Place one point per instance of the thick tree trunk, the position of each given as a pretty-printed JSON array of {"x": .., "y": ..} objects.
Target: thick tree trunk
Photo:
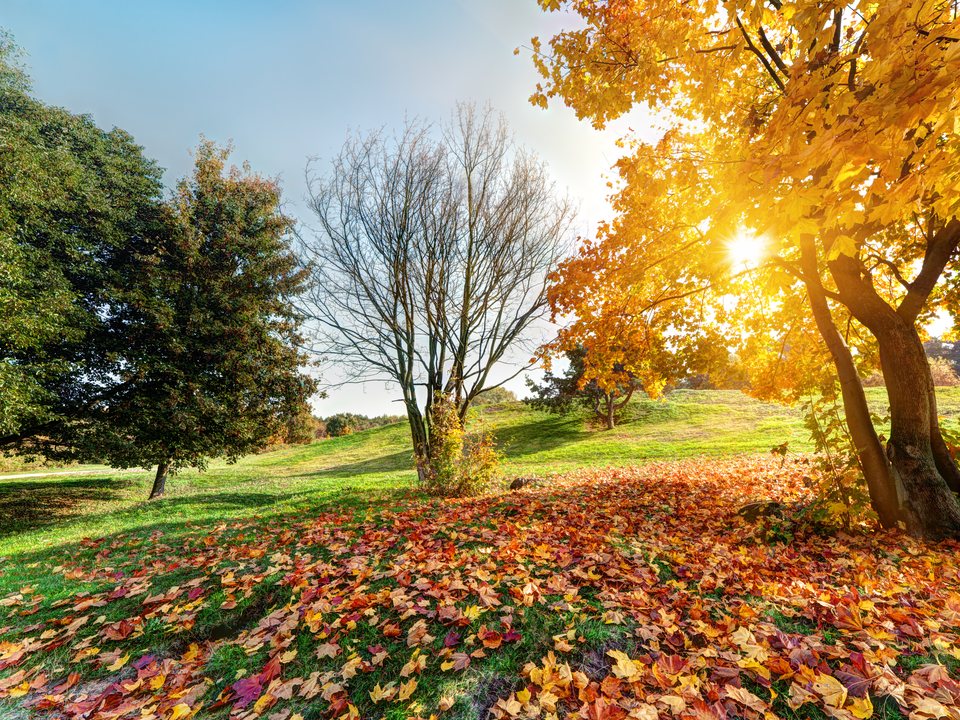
[
  {"x": 930, "y": 507},
  {"x": 610, "y": 409},
  {"x": 876, "y": 468},
  {"x": 160, "y": 481},
  {"x": 927, "y": 505},
  {"x": 946, "y": 465}
]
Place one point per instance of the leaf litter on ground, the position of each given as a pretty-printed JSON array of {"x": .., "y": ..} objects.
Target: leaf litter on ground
[{"x": 630, "y": 592}]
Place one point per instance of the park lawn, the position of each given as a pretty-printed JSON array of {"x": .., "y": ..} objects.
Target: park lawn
[
  {"x": 376, "y": 466},
  {"x": 316, "y": 581}
]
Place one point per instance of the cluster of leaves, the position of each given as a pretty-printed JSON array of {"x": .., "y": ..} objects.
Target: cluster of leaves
[
  {"x": 636, "y": 592},
  {"x": 460, "y": 464}
]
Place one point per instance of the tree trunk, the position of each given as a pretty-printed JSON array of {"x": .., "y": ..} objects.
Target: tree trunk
[
  {"x": 160, "y": 481},
  {"x": 946, "y": 465},
  {"x": 930, "y": 507},
  {"x": 610, "y": 408},
  {"x": 876, "y": 468},
  {"x": 421, "y": 444},
  {"x": 927, "y": 505}
]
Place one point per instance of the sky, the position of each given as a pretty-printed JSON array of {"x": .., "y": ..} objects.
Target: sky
[{"x": 290, "y": 79}]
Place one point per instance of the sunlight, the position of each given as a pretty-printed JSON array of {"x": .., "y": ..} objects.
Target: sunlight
[{"x": 745, "y": 250}]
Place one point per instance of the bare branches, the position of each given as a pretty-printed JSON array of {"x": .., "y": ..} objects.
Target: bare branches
[{"x": 431, "y": 257}]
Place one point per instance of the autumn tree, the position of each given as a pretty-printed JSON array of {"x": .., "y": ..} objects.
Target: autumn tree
[
  {"x": 430, "y": 259},
  {"x": 212, "y": 366},
  {"x": 830, "y": 132}
]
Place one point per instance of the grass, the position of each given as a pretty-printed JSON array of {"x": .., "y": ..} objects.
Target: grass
[
  {"x": 69, "y": 537},
  {"x": 374, "y": 468}
]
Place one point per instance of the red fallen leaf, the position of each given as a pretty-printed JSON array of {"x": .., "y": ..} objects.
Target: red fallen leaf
[
  {"x": 512, "y": 636},
  {"x": 490, "y": 638},
  {"x": 270, "y": 670},
  {"x": 195, "y": 593},
  {"x": 703, "y": 711},
  {"x": 392, "y": 630},
  {"x": 69, "y": 683},
  {"x": 247, "y": 689},
  {"x": 143, "y": 662},
  {"x": 671, "y": 664},
  {"x": 858, "y": 676},
  {"x": 118, "y": 631},
  {"x": 611, "y": 687},
  {"x": 452, "y": 639},
  {"x": 376, "y": 649},
  {"x": 13, "y": 659}
]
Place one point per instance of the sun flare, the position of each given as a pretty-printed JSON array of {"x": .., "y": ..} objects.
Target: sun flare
[{"x": 745, "y": 250}]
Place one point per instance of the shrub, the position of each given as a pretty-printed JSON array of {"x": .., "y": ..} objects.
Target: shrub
[{"x": 460, "y": 464}]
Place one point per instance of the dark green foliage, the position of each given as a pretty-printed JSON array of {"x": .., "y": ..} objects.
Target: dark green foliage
[
  {"x": 212, "y": 367},
  {"x": 77, "y": 204},
  {"x": 137, "y": 332}
]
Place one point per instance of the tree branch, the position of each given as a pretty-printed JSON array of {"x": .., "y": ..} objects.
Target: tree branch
[
  {"x": 774, "y": 55},
  {"x": 753, "y": 48},
  {"x": 939, "y": 249}
]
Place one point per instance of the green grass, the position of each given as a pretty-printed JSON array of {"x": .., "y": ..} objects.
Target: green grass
[
  {"x": 368, "y": 475},
  {"x": 374, "y": 468}
]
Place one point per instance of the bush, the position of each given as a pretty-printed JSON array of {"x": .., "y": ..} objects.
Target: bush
[
  {"x": 461, "y": 464},
  {"x": 494, "y": 396}
]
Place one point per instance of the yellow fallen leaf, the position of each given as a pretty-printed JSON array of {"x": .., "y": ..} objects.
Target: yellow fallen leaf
[
  {"x": 180, "y": 711},
  {"x": 861, "y": 708},
  {"x": 625, "y": 668},
  {"x": 288, "y": 656},
  {"x": 406, "y": 689},
  {"x": 446, "y": 703},
  {"x": 119, "y": 662},
  {"x": 523, "y": 696}
]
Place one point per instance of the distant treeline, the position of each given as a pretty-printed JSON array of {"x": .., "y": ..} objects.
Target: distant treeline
[{"x": 306, "y": 427}]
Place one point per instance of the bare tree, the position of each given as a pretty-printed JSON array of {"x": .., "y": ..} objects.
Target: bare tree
[{"x": 431, "y": 257}]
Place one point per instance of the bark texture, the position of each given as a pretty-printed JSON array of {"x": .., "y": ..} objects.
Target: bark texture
[{"x": 927, "y": 504}]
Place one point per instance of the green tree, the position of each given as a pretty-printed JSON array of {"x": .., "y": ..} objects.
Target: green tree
[
  {"x": 76, "y": 205},
  {"x": 563, "y": 393},
  {"x": 212, "y": 367}
]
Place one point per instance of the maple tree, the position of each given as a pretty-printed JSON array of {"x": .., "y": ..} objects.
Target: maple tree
[
  {"x": 830, "y": 133},
  {"x": 430, "y": 260},
  {"x": 630, "y": 592}
]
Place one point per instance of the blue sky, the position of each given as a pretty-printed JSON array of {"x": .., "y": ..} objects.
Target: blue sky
[{"x": 289, "y": 79}]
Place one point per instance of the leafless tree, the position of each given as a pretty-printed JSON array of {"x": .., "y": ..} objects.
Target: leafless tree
[{"x": 430, "y": 258}]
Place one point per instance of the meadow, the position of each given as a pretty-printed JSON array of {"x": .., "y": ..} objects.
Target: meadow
[{"x": 316, "y": 581}]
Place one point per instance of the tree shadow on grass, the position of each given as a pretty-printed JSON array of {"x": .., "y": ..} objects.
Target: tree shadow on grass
[
  {"x": 38, "y": 503},
  {"x": 399, "y": 462},
  {"x": 550, "y": 433}
]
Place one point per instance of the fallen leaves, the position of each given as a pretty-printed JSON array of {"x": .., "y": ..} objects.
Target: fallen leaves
[{"x": 697, "y": 618}]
